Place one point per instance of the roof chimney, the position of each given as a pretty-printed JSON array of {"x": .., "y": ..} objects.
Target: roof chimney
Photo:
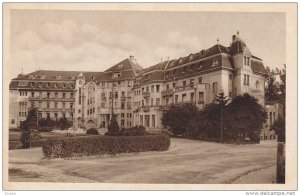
[
  {"x": 233, "y": 38},
  {"x": 131, "y": 56}
]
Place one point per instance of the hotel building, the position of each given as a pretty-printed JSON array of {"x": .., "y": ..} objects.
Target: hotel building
[{"x": 138, "y": 96}]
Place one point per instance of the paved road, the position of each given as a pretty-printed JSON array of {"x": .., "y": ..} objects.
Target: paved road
[{"x": 187, "y": 161}]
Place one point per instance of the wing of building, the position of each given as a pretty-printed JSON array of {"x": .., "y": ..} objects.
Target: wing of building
[{"x": 138, "y": 96}]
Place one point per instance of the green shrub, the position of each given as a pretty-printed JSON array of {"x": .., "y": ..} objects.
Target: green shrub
[
  {"x": 89, "y": 146},
  {"x": 133, "y": 131},
  {"x": 45, "y": 129},
  {"x": 92, "y": 131}
]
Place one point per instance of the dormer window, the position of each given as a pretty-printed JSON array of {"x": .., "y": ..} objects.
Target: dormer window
[
  {"x": 200, "y": 65},
  {"x": 215, "y": 63},
  {"x": 191, "y": 57},
  {"x": 57, "y": 77},
  {"x": 203, "y": 52},
  {"x": 93, "y": 77},
  {"x": 120, "y": 66},
  {"x": 117, "y": 75},
  {"x": 31, "y": 77},
  {"x": 180, "y": 61}
]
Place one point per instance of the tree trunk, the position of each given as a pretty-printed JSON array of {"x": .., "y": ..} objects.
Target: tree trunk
[{"x": 280, "y": 171}]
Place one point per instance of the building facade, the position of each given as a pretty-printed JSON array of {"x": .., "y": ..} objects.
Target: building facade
[{"x": 139, "y": 96}]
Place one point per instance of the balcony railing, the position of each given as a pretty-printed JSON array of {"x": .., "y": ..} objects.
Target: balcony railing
[
  {"x": 56, "y": 109},
  {"x": 167, "y": 93},
  {"x": 51, "y": 99},
  {"x": 146, "y": 109},
  {"x": 146, "y": 95},
  {"x": 186, "y": 87}
]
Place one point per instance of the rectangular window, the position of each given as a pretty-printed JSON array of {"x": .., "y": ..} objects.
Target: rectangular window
[
  {"x": 122, "y": 122},
  {"x": 215, "y": 87},
  {"x": 201, "y": 97},
  {"x": 48, "y": 94},
  {"x": 147, "y": 89},
  {"x": 71, "y": 105},
  {"x": 56, "y": 94},
  {"x": 64, "y": 105},
  {"x": 245, "y": 79},
  {"x": 157, "y": 101},
  {"x": 184, "y": 83},
  {"x": 192, "y": 81},
  {"x": 153, "y": 120},
  {"x": 157, "y": 88},
  {"x": 200, "y": 80},
  {"x": 176, "y": 98},
  {"x": 128, "y": 105},
  {"x": 147, "y": 120},
  {"x": 32, "y": 94},
  {"x": 71, "y": 95},
  {"x": 122, "y": 105},
  {"x": 183, "y": 97},
  {"x": 192, "y": 97},
  {"x": 48, "y": 105},
  {"x": 151, "y": 101},
  {"x": 245, "y": 60},
  {"x": 79, "y": 96},
  {"x": 55, "y": 104},
  {"x": 141, "y": 120},
  {"x": 174, "y": 85},
  {"x": 248, "y": 80},
  {"x": 167, "y": 101},
  {"x": 168, "y": 86}
]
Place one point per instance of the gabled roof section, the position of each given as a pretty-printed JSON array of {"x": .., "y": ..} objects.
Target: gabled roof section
[{"x": 129, "y": 63}]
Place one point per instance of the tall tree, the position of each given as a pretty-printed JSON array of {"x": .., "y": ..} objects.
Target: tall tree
[
  {"x": 27, "y": 127},
  {"x": 246, "y": 117},
  {"x": 271, "y": 86},
  {"x": 222, "y": 100},
  {"x": 113, "y": 127},
  {"x": 177, "y": 117}
]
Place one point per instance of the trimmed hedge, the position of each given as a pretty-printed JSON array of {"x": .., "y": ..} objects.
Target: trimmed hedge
[
  {"x": 97, "y": 145},
  {"x": 92, "y": 131},
  {"x": 45, "y": 129}
]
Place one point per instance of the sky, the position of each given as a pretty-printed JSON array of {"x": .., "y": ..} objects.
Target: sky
[{"x": 96, "y": 40}]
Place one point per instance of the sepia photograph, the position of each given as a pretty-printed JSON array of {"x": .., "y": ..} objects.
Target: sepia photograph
[{"x": 121, "y": 96}]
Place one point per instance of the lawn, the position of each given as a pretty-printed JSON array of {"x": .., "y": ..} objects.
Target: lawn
[{"x": 187, "y": 161}]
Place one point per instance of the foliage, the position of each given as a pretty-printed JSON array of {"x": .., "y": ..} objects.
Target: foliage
[
  {"x": 63, "y": 123},
  {"x": 134, "y": 131},
  {"x": 25, "y": 138},
  {"x": 92, "y": 131},
  {"x": 45, "y": 129},
  {"x": 206, "y": 123},
  {"x": 275, "y": 90},
  {"x": 245, "y": 117},
  {"x": 27, "y": 127},
  {"x": 177, "y": 117},
  {"x": 113, "y": 127},
  {"x": 222, "y": 100},
  {"x": 279, "y": 128},
  {"x": 89, "y": 146},
  {"x": 31, "y": 120}
]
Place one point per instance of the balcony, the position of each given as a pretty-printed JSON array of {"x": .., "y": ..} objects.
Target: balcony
[
  {"x": 146, "y": 109},
  {"x": 146, "y": 95},
  {"x": 51, "y": 99},
  {"x": 167, "y": 93},
  {"x": 163, "y": 108},
  {"x": 186, "y": 87},
  {"x": 56, "y": 110}
]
